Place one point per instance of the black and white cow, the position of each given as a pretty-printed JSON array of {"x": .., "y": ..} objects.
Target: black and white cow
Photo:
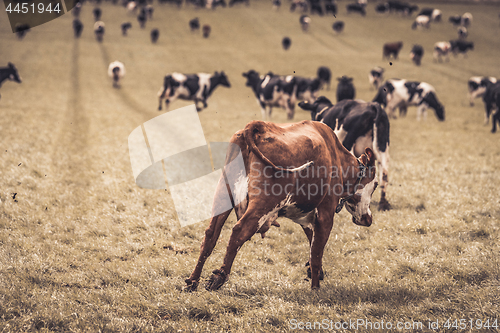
[
  {"x": 99, "y": 29},
  {"x": 272, "y": 91},
  {"x": 466, "y": 19},
  {"x": 441, "y": 49},
  {"x": 396, "y": 93},
  {"x": 77, "y": 28},
  {"x": 345, "y": 88},
  {"x": 491, "y": 100},
  {"x": 142, "y": 18},
  {"x": 461, "y": 46},
  {"x": 325, "y": 76},
  {"x": 456, "y": 20},
  {"x": 9, "y": 73},
  {"x": 421, "y": 21},
  {"x": 193, "y": 87},
  {"x": 304, "y": 22},
  {"x": 307, "y": 89},
  {"x": 155, "y": 34},
  {"x": 376, "y": 77},
  {"x": 302, "y": 4},
  {"x": 355, "y": 8},
  {"x": 358, "y": 125},
  {"x": 338, "y": 26},
  {"x": 416, "y": 54},
  {"x": 116, "y": 71},
  {"x": 477, "y": 87},
  {"x": 462, "y": 33},
  {"x": 401, "y": 7},
  {"x": 434, "y": 14}
]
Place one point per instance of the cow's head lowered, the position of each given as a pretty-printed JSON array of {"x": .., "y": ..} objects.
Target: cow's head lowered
[
  {"x": 357, "y": 201},
  {"x": 13, "y": 74},
  {"x": 317, "y": 108}
]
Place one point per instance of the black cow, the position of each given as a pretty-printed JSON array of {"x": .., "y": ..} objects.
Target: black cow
[
  {"x": 21, "y": 30},
  {"x": 194, "y": 87},
  {"x": 316, "y": 7},
  {"x": 355, "y": 8},
  {"x": 338, "y": 26},
  {"x": 382, "y": 8},
  {"x": 194, "y": 24},
  {"x": 455, "y": 20},
  {"x": 330, "y": 7},
  {"x": 97, "y": 14},
  {"x": 491, "y": 99},
  {"x": 9, "y": 73},
  {"x": 77, "y": 9},
  {"x": 307, "y": 89},
  {"x": 324, "y": 74},
  {"x": 286, "y": 42},
  {"x": 345, "y": 88},
  {"x": 358, "y": 125},
  {"x": 155, "y": 34},
  {"x": 232, "y": 2},
  {"x": 77, "y": 27},
  {"x": 416, "y": 54},
  {"x": 396, "y": 93},
  {"x": 142, "y": 18},
  {"x": 461, "y": 46},
  {"x": 272, "y": 90},
  {"x": 125, "y": 26},
  {"x": 401, "y": 7}
]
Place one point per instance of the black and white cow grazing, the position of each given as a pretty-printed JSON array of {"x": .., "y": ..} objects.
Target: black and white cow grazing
[
  {"x": 206, "y": 31},
  {"x": 125, "y": 26},
  {"x": 466, "y": 19},
  {"x": 455, "y": 20},
  {"x": 391, "y": 49},
  {"x": 421, "y": 21},
  {"x": 345, "y": 88},
  {"x": 376, "y": 77},
  {"x": 194, "y": 24},
  {"x": 193, "y": 87},
  {"x": 155, "y": 34},
  {"x": 416, "y": 54},
  {"x": 434, "y": 14},
  {"x": 358, "y": 125},
  {"x": 97, "y": 14},
  {"x": 304, "y": 22},
  {"x": 338, "y": 26},
  {"x": 356, "y": 8},
  {"x": 99, "y": 29},
  {"x": 491, "y": 100},
  {"x": 477, "y": 87},
  {"x": 21, "y": 30},
  {"x": 77, "y": 28},
  {"x": 272, "y": 91},
  {"x": 286, "y": 42},
  {"x": 116, "y": 71},
  {"x": 441, "y": 49},
  {"x": 461, "y": 46},
  {"x": 330, "y": 7},
  {"x": 462, "y": 33},
  {"x": 324, "y": 75},
  {"x": 9, "y": 73},
  {"x": 396, "y": 93}
]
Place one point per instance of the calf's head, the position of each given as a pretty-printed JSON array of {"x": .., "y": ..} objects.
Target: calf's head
[
  {"x": 13, "y": 74},
  {"x": 320, "y": 104},
  {"x": 358, "y": 204},
  {"x": 433, "y": 103}
]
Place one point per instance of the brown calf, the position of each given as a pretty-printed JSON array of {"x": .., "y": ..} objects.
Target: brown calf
[
  {"x": 300, "y": 171},
  {"x": 392, "y": 49}
]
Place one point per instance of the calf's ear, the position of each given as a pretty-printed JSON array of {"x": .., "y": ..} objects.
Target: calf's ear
[{"x": 370, "y": 157}]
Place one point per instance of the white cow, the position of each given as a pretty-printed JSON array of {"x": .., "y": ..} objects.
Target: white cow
[{"x": 116, "y": 71}]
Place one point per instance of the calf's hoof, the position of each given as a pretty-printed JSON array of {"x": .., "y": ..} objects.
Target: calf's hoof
[
  {"x": 190, "y": 285},
  {"x": 217, "y": 279},
  {"x": 384, "y": 205}
]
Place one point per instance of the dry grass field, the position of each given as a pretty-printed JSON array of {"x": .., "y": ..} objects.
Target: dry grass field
[{"x": 84, "y": 249}]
